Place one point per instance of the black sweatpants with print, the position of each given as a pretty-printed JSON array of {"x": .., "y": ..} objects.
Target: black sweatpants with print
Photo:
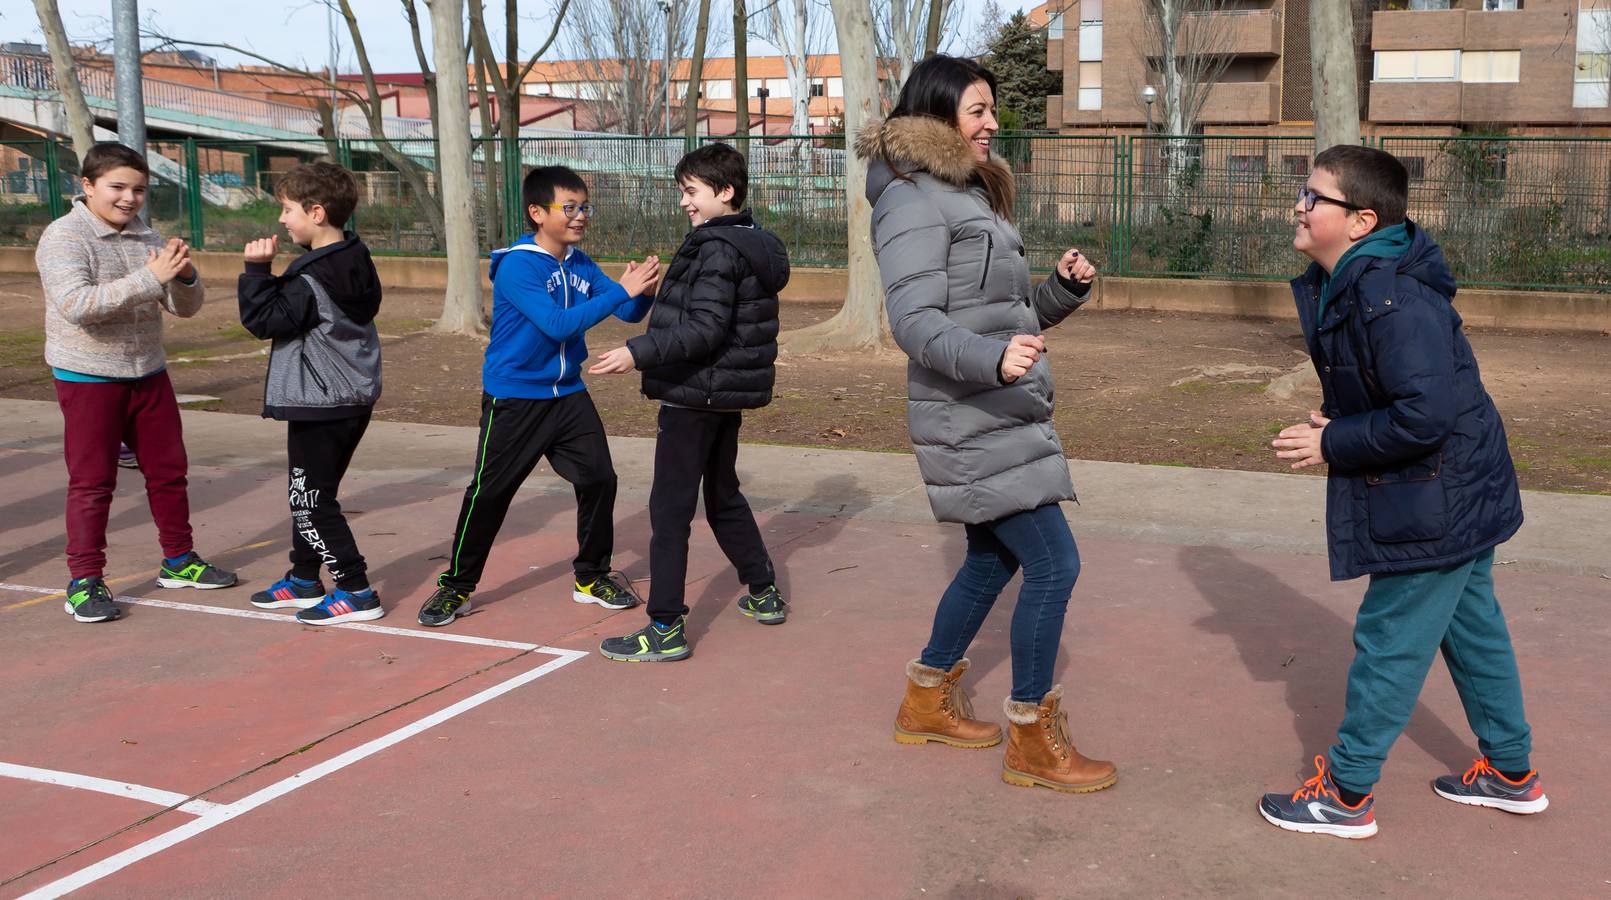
[
  {"x": 694, "y": 447},
  {"x": 318, "y": 453},
  {"x": 516, "y": 434}
]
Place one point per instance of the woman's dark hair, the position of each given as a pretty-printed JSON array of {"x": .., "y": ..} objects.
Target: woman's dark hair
[
  {"x": 103, "y": 158},
  {"x": 935, "y": 89}
]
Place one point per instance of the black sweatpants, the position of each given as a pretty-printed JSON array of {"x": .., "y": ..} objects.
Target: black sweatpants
[
  {"x": 695, "y": 446},
  {"x": 319, "y": 453},
  {"x": 515, "y": 434}
]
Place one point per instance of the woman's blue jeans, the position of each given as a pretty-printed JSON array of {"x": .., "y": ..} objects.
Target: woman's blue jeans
[{"x": 1039, "y": 542}]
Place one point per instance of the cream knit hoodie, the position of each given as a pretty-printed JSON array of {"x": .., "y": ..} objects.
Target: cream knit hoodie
[{"x": 103, "y": 307}]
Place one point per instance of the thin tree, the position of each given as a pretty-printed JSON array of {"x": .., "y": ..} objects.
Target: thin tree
[
  {"x": 80, "y": 124},
  {"x": 461, "y": 309},
  {"x": 900, "y": 34},
  {"x": 1334, "y": 73},
  {"x": 800, "y": 30},
  {"x": 692, "y": 94},
  {"x": 861, "y": 324},
  {"x": 1188, "y": 46},
  {"x": 620, "y": 49},
  {"x": 741, "y": 77}
]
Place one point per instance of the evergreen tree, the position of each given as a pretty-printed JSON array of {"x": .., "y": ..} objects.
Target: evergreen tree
[{"x": 1017, "y": 56}]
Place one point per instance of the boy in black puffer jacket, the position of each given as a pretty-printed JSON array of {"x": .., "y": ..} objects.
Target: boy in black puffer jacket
[{"x": 708, "y": 355}]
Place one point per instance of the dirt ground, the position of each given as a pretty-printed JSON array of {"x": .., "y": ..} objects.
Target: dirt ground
[{"x": 1164, "y": 389}]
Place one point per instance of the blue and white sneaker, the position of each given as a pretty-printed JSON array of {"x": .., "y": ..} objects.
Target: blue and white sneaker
[
  {"x": 1316, "y": 808},
  {"x": 1484, "y": 785},
  {"x": 290, "y": 592},
  {"x": 344, "y": 606}
]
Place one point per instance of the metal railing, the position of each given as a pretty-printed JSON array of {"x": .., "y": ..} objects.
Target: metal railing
[{"x": 1509, "y": 212}]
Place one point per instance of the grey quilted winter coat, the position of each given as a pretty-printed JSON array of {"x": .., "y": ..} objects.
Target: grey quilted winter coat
[{"x": 956, "y": 285}]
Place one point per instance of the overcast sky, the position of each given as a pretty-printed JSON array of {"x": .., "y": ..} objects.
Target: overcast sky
[{"x": 296, "y": 33}]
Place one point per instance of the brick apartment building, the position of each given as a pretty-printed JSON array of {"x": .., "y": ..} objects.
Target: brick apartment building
[{"x": 1426, "y": 66}]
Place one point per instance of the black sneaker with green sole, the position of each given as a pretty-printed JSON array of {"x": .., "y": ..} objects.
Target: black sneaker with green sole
[
  {"x": 194, "y": 572},
  {"x": 444, "y": 606},
  {"x": 768, "y": 607},
  {"x": 89, "y": 600},
  {"x": 651, "y": 643}
]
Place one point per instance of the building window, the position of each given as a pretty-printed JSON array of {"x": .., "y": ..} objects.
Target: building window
[
  {"x": 1090, "y": 42},
  {"x": 1417, "y": 65},
  {"x": 1090, "y": 96},
  {"x": 1591, "y": 79},
  {"x": 818, "y": 89},
  {"x": 1414, "y": 165},
  {"x": 1245, "y": 168},
  {"x": 1488, "y": 66},
  {"x": 1054, "y": 27},
  {"x": 1501, "y": 5},
  {"x": 1427, "y": 5},
  {"x": 836, "y": 87},
  {"x": 1293, "y": 164}
]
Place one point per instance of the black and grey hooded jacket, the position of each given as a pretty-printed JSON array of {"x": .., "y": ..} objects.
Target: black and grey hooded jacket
[{"x": 321, "y": 316}]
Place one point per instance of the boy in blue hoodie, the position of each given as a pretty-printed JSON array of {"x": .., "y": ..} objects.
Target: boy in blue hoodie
[
  {"x": 546, "y": 294},
  {"x": 1420, "y": 489}
]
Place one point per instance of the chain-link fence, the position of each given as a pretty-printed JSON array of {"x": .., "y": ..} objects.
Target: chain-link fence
[{"x": 1514, "y": 212}]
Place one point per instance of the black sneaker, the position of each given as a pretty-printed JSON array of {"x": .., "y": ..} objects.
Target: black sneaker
[
  {"x": 1316, "y": 808},
  {"x": 444, "y": 606},
  {"x": 342, "y": 606},
  {"x": 194, "y": 572},
  {"x": 1483, "y": 785},
  {"x": 608, "y": 592},
  {"x": 290, "y": 593},
  {"x": 88, "y": 600},
  {"x": 768, "y": 607},
  {"x": 650, "y": 643}
]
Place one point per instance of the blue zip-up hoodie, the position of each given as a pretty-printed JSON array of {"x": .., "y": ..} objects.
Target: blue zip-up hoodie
[{"x": 541, "y": 307}]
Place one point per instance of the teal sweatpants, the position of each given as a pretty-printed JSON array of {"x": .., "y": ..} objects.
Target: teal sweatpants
[{"x": 1404, "y": 619}]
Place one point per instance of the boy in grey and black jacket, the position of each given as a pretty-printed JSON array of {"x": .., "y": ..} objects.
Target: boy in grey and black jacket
[{"x": 323, "y": 380}]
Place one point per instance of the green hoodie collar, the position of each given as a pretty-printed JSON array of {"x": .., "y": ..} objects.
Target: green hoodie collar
[{"x": 1388, "y": 243}]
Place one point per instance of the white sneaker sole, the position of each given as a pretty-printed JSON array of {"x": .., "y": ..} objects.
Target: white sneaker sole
[
  {"x": 580, "y": 597},
  {"x": 1519, "y": 807},
  {"x": 359, "y": 615},
  {"x": 177, "y": 583},
  {"x": 1351, "y": 832},
  {"x": 78, "y": 618},
  {"x": 308, "y": 603}
]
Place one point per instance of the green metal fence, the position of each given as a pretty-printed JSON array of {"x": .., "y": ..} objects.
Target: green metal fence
[{"x": 1508, "y": 211}]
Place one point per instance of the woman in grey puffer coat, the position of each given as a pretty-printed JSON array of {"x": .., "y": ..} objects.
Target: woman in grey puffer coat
[{"x": 961, "y": 305}]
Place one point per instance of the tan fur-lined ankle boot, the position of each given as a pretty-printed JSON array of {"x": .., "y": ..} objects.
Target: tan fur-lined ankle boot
[
  {"x": 936, "y": 709},
  {"x": 1040, "y": 752}
]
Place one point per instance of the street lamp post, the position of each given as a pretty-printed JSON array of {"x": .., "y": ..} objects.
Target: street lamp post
[
  {"x": 665, "y": 7},
  {"x": 763, "y": 92},
  {"x": 1149, "y": 95}
]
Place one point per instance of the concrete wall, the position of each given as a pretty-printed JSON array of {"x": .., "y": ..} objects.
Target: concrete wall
[{"x": 1550, "y": 311}]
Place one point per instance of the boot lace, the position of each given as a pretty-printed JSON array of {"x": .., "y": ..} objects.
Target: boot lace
[
  {"x": 1057, "y": 725},
  {"x": 955, "y": 701}
]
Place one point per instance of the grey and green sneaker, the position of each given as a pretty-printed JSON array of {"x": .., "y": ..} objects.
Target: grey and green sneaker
[
  {"x": 608, "y": 592},
  {"x": 444, "y": 606},
  {"x": 768, "y": 607},
  {"x": 651, "y": 643},
  {"x": 194, "y": 572},
  {"x": 88, "y": 600}
]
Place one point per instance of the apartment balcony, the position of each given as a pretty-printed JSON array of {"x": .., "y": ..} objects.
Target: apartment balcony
[
  {"x": 1416, "y": 102},
  {"x": 1418, "y": 29},
  {"x": 1241, "y": 32},
  {"x": 1242, "y": 103}
]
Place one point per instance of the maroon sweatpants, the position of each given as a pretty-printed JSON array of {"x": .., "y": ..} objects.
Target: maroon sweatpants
[{"x": 98, "y": 416}]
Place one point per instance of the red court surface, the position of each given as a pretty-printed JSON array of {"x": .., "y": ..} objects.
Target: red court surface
[{"x": 248, "y": 756}]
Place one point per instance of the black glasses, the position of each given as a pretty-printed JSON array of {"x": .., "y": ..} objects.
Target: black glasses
[{"x": 1307, "y": 199}]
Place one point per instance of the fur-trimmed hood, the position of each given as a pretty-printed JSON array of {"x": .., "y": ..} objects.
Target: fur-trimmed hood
[{"x": 917, "y": 144}]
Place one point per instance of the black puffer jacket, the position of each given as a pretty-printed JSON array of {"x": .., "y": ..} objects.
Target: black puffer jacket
[{"x": 712, "y": 338}]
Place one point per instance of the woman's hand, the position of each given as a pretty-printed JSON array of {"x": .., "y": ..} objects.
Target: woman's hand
[
  {"x": 1021, "y": 355},
  {"x": 1075, "y": 267}
]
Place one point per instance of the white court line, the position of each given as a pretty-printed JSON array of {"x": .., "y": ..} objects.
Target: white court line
[
  {"x": 210, "y": 820},
  {"x": 106, "y": 786},
  {"x": 281, "y": 617}
]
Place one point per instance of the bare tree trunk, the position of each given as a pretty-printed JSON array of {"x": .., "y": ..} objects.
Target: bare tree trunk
[
  {"x": 329, "y": 130},
  {"x": 461, "y": 308},
  {"x": 80, "y": 124},
  {"x": 861, "y": 323},
  {"x": 427, "y": 76},
  {"x": 1333, "y": 73},
  {"x": 931, "y": 41},
  {"x": 741, "y": 76},
  {"x": 491, "y": 173},
  {"x": 696, "y": 74}
]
